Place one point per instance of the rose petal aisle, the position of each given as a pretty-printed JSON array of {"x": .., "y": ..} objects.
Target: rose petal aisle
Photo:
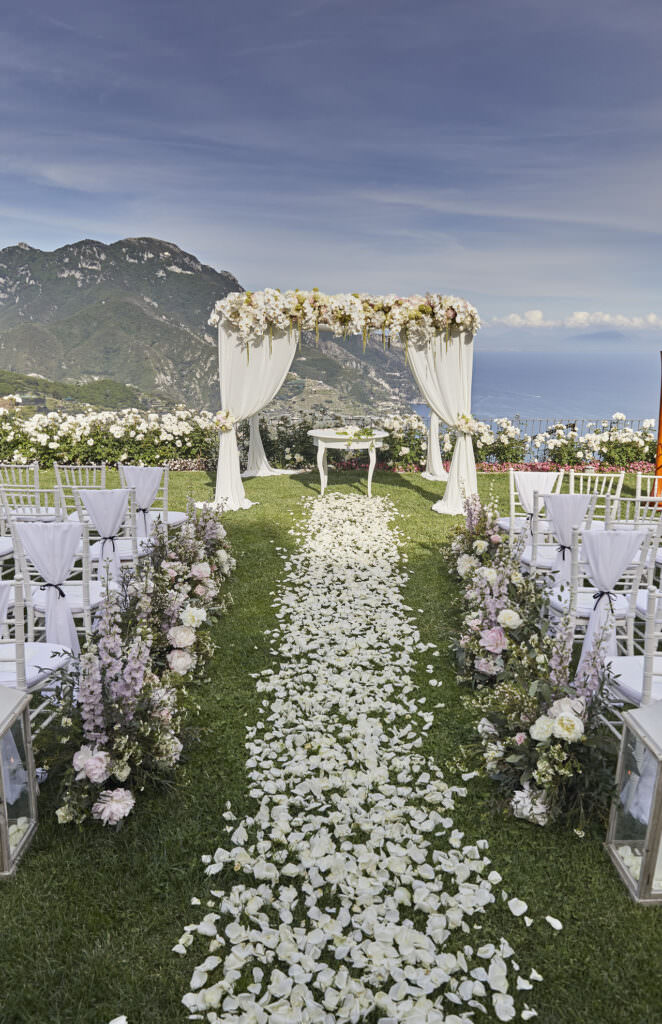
[{"x": 333, "y": 903}]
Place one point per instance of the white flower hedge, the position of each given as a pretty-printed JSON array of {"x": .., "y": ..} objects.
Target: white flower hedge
[{"x": 185, "y": 439}]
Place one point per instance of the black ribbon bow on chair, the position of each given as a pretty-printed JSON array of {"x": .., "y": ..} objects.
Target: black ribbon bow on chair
[
  {"x": 56, "y": 586},
  {"x": 529, "y": 516},
  {"x": 562, "y": 548},
  {"x": 144, "y": 515},
  {"x": 111, "y": 539},
  {"x": 599, "y": 594}
]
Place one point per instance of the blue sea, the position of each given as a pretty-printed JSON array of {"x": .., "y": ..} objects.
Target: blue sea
[{"x": 566, "y": 385}]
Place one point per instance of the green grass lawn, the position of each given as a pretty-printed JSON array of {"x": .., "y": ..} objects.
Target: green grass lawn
[{"x": 87, "y": 925}]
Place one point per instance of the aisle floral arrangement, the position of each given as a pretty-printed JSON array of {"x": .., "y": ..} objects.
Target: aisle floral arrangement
[
  {"x": 545, "y": 742},
  {"x": 120, "y": 705},
  {"x": 543, "y": 733},
  {"x": 503, "y": 610}
]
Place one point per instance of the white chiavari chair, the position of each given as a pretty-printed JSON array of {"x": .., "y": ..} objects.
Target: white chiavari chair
[
  {"x": 602, "y": 486},
  {"x": 14, "y": 475},
  {"x": 153, "y": 506},
  {"x": 67, "y": 477},
  {"x": 53, "y": 559},
  {"x": 638, "y": 669},
  {"x": 26, "y": 664},
  {"x": 43, "y": 503},
  {"x": 577, "y": 597},
  {"x": 539, "y": 553},
  {"x": 112, "y": 521},
  {"x": 521, "y": 486}
]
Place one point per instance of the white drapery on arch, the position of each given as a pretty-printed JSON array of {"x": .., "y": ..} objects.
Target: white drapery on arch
[
  {"x": 257, "y": 463},
  {"x": 250, "y": 379},
  {"x": 443, "y": 371},
  {"x": 434, "y": 464}
]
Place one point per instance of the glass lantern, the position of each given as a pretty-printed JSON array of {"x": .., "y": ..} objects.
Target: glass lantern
[
  {"x": 635, "y": 826},
  {"x": 18, "y": 784}
]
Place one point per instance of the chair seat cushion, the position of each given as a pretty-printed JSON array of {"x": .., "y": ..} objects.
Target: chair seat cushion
[
  {"x": 503, "y": 523},
  {"x": 6, "y": 547},
  {"x": 630, "y": 672},
  {"x": 545, "y": 555},
  {"x": 123, "y": 546},
  {"x": 40, "y": 661},
  {"x": 560, "y": 601},
  {"x": 43, "y": 512},
  {"x": 175, "y": 519},
  {"x": 74, "y": 595}
]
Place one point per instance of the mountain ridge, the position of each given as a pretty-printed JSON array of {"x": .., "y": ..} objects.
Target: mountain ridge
[{"x": 135, "y": 311}]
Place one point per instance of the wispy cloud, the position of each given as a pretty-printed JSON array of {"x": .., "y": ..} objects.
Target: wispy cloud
[
  {"x": 510, "y": 152},
  {"x": 535, "y": 318}
]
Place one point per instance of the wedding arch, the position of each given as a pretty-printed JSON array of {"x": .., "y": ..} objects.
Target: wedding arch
[{"x": 258, "y": 334}]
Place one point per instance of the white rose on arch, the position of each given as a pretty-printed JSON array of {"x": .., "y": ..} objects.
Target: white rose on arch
[
  {"x": 568, "y": 726},
  {"x": 542, "y": 728},
  {"x": 509, "y": 619},
  {"x": 181, "y": 636},
  {"x": 180, "y": 662}
]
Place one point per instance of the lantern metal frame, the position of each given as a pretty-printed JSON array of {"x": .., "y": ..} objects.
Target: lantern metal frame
[
  {"x": 16, "y": 709},
  {"x": 640, "y": 889}
]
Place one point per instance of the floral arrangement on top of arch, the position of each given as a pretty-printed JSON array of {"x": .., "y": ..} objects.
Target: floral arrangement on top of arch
[{"x": 414, "y": 318}]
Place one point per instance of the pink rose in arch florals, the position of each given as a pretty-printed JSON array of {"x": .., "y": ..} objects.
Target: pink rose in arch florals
[{"x": 493, "y": 640}]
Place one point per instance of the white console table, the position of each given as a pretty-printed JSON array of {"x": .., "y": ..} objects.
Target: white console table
[{"x": 345, "y": 440}]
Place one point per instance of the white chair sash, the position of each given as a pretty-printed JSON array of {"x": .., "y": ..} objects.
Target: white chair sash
[
  {"x": 145, "y": 480},
  {"x": 608, "y": 553},
  {"x": 107, "y": 511},
  {"x": 565, "y": 511},
  {"x": 52, "y": 549},
  {"x": 528, "y": 483}
]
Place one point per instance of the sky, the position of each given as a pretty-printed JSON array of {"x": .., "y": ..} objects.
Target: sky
[{"x": 509, "y": 151}]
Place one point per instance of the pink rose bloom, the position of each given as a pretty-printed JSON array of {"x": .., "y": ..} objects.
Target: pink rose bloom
[
  {"x": 180, "y": 662},
  {"x": 201, "y": 570},
  {"x": 520, "y": 738},
  {"x": 91, "y": 764},
  {"x": 97, "y": 767},
  {"x": 495, "y": 539},
  {"x": 81, "y": 757},
  {"x": 487, "y": 667},
  {"x": 493, "y": 640}
]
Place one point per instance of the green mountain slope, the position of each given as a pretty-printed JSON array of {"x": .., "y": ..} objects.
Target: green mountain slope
[{"x": 136, "y": 312}]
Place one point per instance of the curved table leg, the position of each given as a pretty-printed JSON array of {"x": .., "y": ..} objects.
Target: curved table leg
[
  {"x": 322, "y": 467},
  {"x": 371, "y": 468}
]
